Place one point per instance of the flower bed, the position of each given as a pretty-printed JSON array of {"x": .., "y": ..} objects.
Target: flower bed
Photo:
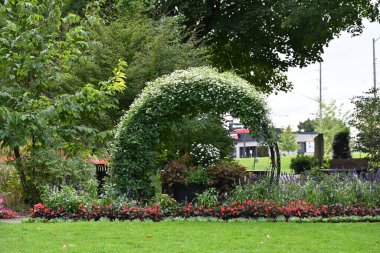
[
  {"x": 249, "y": 209},
  {"x": 6, "y": 213}
]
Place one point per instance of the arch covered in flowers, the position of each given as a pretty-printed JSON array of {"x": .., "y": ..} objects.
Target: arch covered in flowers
[{"x": 169, "y": 98}]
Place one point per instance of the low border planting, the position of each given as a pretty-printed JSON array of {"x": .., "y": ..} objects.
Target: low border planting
[
  {"x": 6, "y": 213},
  {"x": 249, "y": 209}
]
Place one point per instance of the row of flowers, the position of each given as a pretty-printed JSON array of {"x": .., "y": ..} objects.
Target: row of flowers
[
  {"x": 249, "y": 209},
  {"x": 6, "y": 213}
]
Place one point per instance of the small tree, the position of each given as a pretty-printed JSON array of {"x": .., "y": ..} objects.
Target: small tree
[
  {"x": 366, "y": 119},
  {"x": 288, "y": 140},
  {"x": 330, "y": 123},
  {"x": 341, "y": 145}
]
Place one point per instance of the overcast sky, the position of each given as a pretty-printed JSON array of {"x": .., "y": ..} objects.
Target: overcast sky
[{"x": 346, "y": 72}]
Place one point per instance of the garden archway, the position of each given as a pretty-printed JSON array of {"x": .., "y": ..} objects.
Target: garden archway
[{"x": 169, "y": 98}]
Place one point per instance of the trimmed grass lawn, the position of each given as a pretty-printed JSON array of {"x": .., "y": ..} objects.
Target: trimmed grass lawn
[
  {"x": 189, "y": 236},
  {"x": 264, "y": 162}
]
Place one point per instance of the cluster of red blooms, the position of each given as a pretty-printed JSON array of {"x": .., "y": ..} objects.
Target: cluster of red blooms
[
  {"x": 6, "y": 213},
  {"x": 248, "y": 209},
  {"x": 96, "y": 212}
]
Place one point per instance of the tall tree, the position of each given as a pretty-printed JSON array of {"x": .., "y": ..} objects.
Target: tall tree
[
  {"x": 261, "y": 39},
  {"x": 288, "y": 140},
  {"x": 151, "y": 48},
  {"x": 39, "y": 48}
]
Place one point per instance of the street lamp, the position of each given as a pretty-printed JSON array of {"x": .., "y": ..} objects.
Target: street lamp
[{"x": 374, "y": 63}]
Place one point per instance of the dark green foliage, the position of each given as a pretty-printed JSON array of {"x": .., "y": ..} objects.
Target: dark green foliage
[
  {"x": 341, "y": 145},
  {"x": 225, "y": 176},
  {"x": 308, "y": 125},
  {"x": 260, "y": 40},
  {"x": 302, "y": 163},
  {"x": 151, "y": 49},
  {"x": 197, "y": 175},
  {"x": 205, "y": 129},
  {"x": 45, "y": 167},
  {"x": 40, "y": 46}
]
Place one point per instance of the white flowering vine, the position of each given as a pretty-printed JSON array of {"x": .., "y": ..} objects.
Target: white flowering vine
[{"x": 169, "y": 98}]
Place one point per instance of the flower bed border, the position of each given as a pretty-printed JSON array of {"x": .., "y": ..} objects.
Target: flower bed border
[
  {"x": 248, "y": 210},
  {"x": 337, "y": 219}
]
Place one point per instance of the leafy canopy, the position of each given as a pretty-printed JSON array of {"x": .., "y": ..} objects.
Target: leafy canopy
[
  {"x": 39, "y": 47},
  {"x": 151, "y": 48},
  {"x": 169, "y": 99},
  {"x": 308, "y": 125},
  {"x": 260, "y": 40}
]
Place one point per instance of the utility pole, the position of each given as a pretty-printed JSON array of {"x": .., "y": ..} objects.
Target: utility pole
[{"x": 320, "y": 95}]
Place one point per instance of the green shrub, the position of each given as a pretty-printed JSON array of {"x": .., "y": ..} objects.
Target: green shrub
[
  {"x": 182, "y": 171},
  {"x": 197, "y": 175},
  {"x": 45, "y": 167},
  {"x": 10, "y": 187},
  {"x": 208, "y": 198},
  {"x": 226, "y": 175},
  {"x": 165, "y": 202},
  {"x": 259, "y": 190},
  {"x": 174, "y": 173},
  {"x": 302, "y": 163},
  {"x": 68, "y": 197},
  {"x": 109, "y": 193},
  {"x": 341, "y": 145}
]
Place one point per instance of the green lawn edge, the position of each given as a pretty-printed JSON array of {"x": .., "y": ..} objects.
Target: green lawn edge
[{"x": 186, "y": 236}]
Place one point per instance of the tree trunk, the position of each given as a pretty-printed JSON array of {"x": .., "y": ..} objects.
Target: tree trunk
[
  {"x": 20, "y": 170},
  {"x": 273, "y": 163},
  {"x": 278, "y": 162}
]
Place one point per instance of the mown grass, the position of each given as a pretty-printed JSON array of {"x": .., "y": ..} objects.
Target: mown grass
[
  {"x": 189, "y": 236},
  {"x": 263, "y": 163}
]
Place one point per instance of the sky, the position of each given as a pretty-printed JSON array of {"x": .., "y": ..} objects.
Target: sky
[{"x": 347, "y": 71}]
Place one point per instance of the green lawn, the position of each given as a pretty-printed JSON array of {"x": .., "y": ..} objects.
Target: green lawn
[
  {"x": 264, "y": 162},
  {"x": 190, "y": 237}
]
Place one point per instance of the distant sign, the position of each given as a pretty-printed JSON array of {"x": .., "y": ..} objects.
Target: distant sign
[
  {"x": 309, "y": 147},
  {"x": 234, "y": 136},
  {"x": 241, "y": 131}
]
